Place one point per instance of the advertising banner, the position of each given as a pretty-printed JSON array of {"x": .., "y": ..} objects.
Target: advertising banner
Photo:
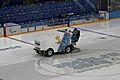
[
  {"x": 24, "y": 29},
  {"x": 31, "y": 28},
  {"x": 39, "y": 27},
  {"x": 12, "y": 28}
]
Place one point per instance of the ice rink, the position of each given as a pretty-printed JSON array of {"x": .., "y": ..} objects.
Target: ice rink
[{"x": 99, "y": 58}]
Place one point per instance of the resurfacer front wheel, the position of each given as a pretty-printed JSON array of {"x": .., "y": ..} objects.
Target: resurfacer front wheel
[{"x": 49, "y": 52}]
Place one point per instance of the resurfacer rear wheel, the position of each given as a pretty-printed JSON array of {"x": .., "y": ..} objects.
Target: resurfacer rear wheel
[{"x": 68, "y": 49}]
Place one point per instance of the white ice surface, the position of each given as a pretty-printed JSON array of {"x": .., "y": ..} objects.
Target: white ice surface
[{"x": 88, "y": 41}]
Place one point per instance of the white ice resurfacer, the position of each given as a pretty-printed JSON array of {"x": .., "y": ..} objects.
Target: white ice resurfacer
[{"x": 63, "y": 41}]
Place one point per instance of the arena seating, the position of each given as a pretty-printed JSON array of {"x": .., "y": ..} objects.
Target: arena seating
[{"x": 26, "y": 13}]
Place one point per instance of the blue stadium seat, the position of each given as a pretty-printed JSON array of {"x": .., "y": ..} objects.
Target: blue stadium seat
[{"x": 45, "y": 10}]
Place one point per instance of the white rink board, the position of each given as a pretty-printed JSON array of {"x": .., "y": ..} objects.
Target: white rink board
[
  {"x": 95, "y": 19},
  {"x": 90, "y": 20},
  {"x": 39, "y": 27},
  {"x": 47, "y": 27},
  {"x": 60, "y": 25},
  {"x": 31, "y": 28},
  {"x": 76, "y": 22},
  {"x": 1, "y": 32},
  {"x": 24, "y": 30},
  {"x": 65, "y": 24}
]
